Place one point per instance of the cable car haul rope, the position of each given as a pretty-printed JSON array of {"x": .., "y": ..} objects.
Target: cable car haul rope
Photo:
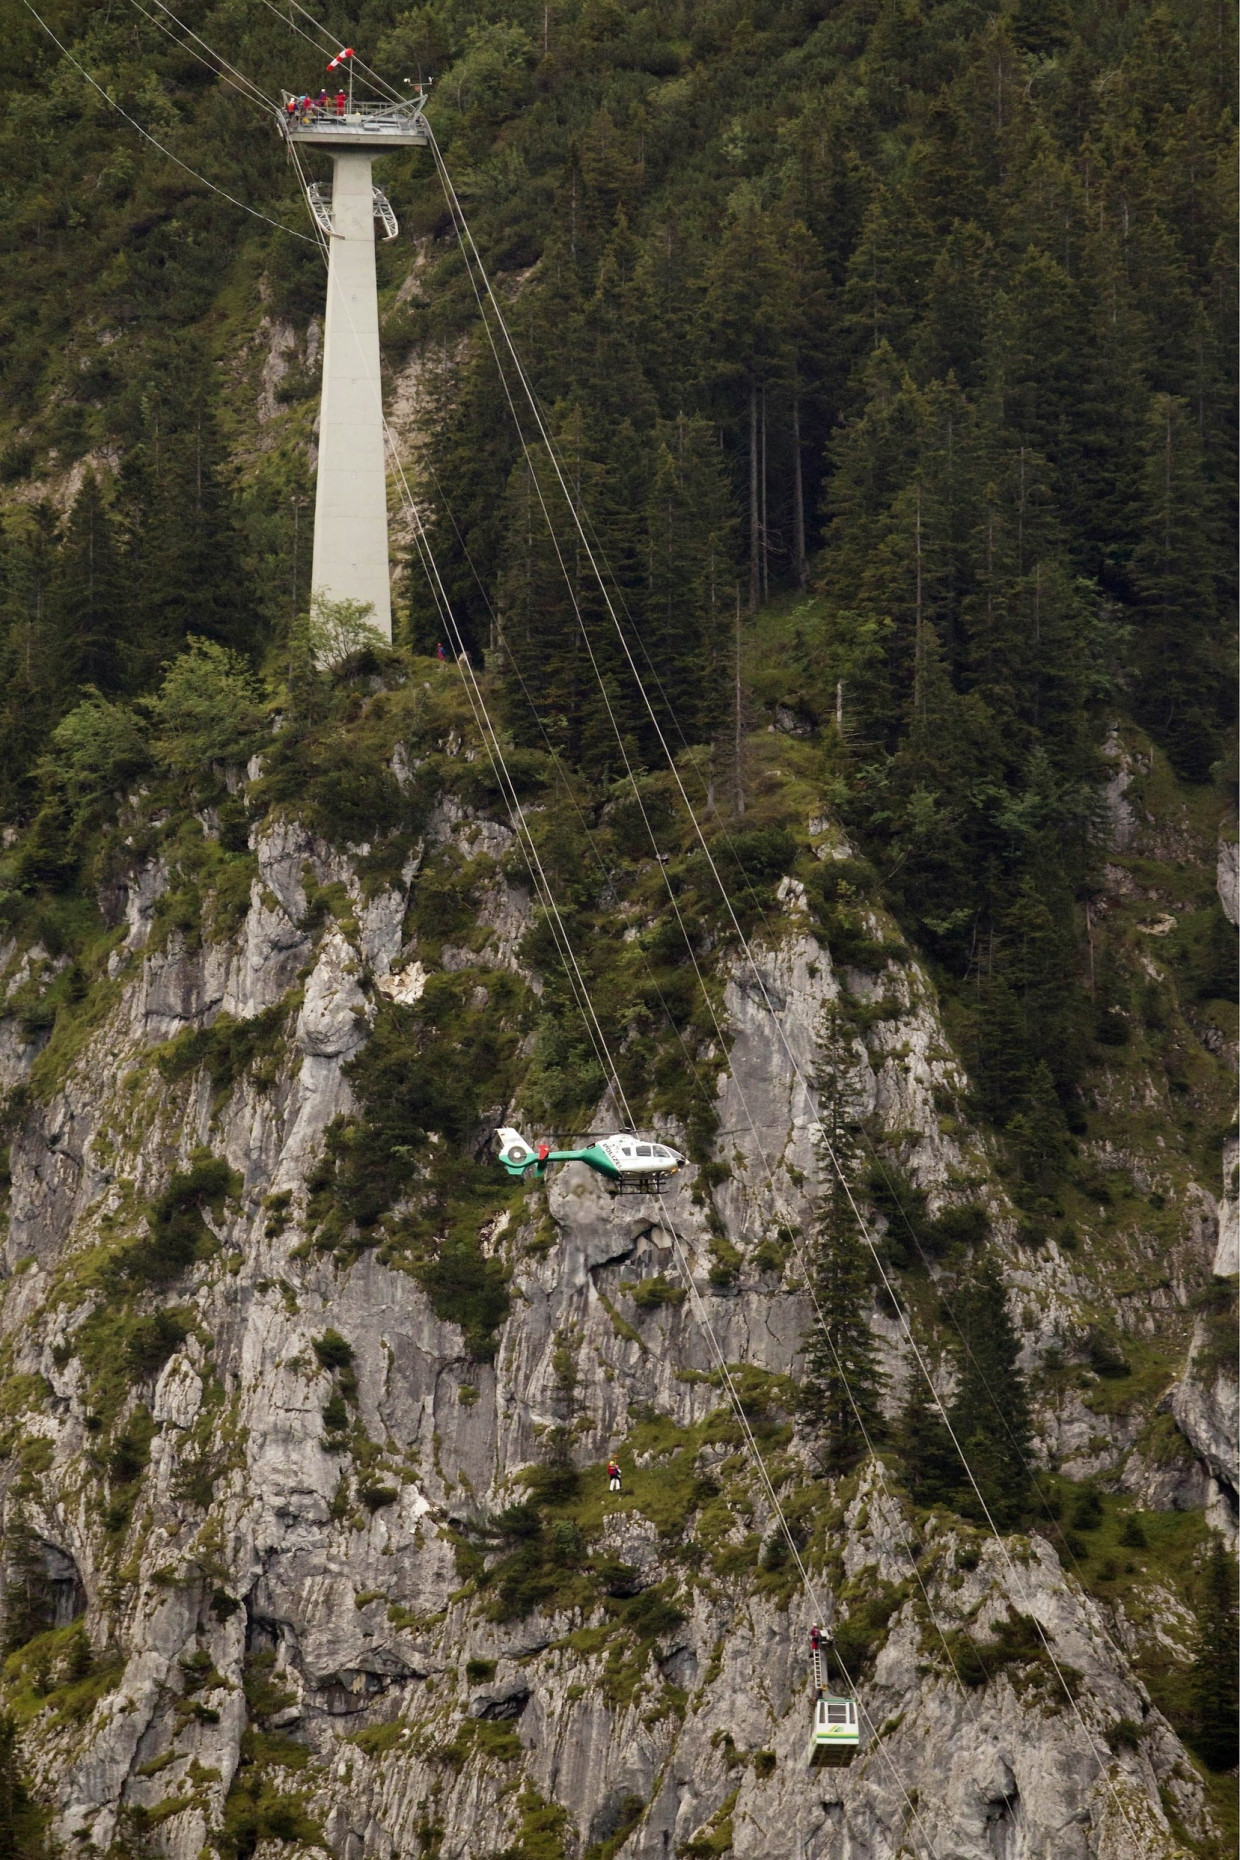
[{"x": 624, "y": 1159}]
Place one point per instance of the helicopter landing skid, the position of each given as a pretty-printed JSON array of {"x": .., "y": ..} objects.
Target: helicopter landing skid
[{"x": 639, "y": 1185}]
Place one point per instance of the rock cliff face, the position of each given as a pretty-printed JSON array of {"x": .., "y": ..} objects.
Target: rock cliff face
[{"x": 270, "y": 1516}]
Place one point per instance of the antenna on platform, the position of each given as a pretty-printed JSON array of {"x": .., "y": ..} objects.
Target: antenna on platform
[{"x": 350, "y": 507}]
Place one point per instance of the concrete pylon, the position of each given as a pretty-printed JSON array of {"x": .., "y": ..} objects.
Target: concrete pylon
[{"x": 350, "y": 508}]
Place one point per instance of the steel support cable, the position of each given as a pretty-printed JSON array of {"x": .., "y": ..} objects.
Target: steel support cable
[
  {"x": 874, "y": 1152},
  {"x": 236, "y": 80},
  {"x": 725, "y": 1372},
  {"x": 380, "y": 82},
  {"x": 695, "y": 1297},
  {"x": 441, "y": 605},
  {"x": 520, "y": 827},
  {"x": 255, "y": 95},
  {"x": 566, "y": 788},
  {"x": 504, "y": 780},
  {"x": 568, "y": 582},
  {"x": 512, "y": 805},
  {"x": 753, "y": 1127},
  {"x": 770, "y": 1173},
  {"x": 154, "y": 141},
  {"x": 494, "y": 749},
  {"x": 755, "y": 899},
  {"x": 585, "y": 1004},
  {"x": 744, "y": 943},
  {"x": 718, "y": 1028},
  {"x": 767, "y": 1166},
  {"x": 515, "y": 807},
  {"x": 292, "y": 26},
  {"x": 727, "y": 839}
]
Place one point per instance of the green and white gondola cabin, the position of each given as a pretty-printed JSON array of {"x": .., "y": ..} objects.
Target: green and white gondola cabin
[{"x": 835, "y": 1725}]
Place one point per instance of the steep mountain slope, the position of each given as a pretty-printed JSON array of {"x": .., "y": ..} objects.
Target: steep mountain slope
[
  {"x": 890, "y": 353},
  {"x": 310, "y": 1494}
]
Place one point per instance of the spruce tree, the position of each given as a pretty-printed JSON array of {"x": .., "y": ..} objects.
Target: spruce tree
[
  {"x": 990, "y": 1413},
  {"x": 689, "y": 577},
  {"x": 186, "y": 555},
  {"x": 930, "y": 1463},
  {"x": 1215, "y": 1693},
  {"x": 1181, "y": 669},
  {"x": 842, "y": 1390},
  {"x": 87, "y": 601},
  {"x": 28, "y": 1605}
]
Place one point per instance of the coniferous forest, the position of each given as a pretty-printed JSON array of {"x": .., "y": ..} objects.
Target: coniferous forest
[
  {"x": 888, "y": 348},
  {"x": 928, "y": 313}
]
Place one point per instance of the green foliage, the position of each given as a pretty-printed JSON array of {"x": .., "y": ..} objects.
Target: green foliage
[
  {"x": 177, "y": 1234},
  {"x": 990, "y": 1412},
  {"x": 126, "y": 1464},
  {"x": 229, "y": 1048},
  {"x": 264, "y": 1694},
  {"x": 843, "y": 1384},
  {"x": 152, "y": 1340},
  {"x": 333, "y": 1350},
  {"x": 258, "y": 1809},
  {"x": 1133, "y": 1536},
  {"x": 989, "y": 1415},
  {"x": 28, "y": 1597},
  {"x": 1214, "y": 1688},
  {"x": 21, "y": 1822},
  {"x": 57, "y": 1678},
  {"x": 1015, "y": 1641},
  {"x": 620, "y": 1813},
  {"x": 468, "y": 1289},
  {"x": 94, "y": 752},
  {"x": 860, "y": 1637},
  {"x": 340, "y": 630},
  {"x": 376, "y": 1740},
  {"x": 656, "y": 1292},
  {"x": 429, "y": 1068},
  {"x": 208, "y": 710},
  {"x": 543, "y": 1828}
]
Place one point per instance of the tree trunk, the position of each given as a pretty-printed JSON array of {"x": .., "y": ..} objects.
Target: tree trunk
[
  {"x": 766, "y": 546},
  {"x": 798, "y": 493},
  {"x": 754, "y": 562},
  {"x": 739, "y": 739}
]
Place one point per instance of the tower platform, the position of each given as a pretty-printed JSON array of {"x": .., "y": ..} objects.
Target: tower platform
[{"x": 372, "y": 126}]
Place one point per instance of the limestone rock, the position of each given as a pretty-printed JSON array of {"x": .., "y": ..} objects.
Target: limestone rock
[{"x": 330, "y": 1553}]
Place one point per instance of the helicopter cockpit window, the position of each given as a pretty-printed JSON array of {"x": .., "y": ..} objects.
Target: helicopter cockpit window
[{"x": 644, "y": 1149}]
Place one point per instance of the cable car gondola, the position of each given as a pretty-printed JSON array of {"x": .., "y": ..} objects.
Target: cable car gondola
[{"x": 834, "y": 1733}]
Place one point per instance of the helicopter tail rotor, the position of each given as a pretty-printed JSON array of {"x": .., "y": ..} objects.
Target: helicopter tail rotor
[{"x": 514, "y": 1152}]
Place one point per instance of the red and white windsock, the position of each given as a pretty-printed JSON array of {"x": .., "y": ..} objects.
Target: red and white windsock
[{"x": 341, "y": 58}]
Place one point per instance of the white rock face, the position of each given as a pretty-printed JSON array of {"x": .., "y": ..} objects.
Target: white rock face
[
  {"x": 405, "y": 986},
  {"x": 256, "y": 1527},
  {"x": 1229, "y": 878},
  {"x": 1227, "y": 1253}
]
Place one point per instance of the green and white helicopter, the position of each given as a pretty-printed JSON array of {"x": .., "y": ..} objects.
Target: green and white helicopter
[{"x": 626, "y": 1161}]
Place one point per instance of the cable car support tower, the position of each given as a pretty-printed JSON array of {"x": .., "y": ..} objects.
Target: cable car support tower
[{"x": 350, "y": 507}]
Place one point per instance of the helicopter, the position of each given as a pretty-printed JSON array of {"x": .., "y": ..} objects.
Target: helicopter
[{"x": 625, "y": 1160}]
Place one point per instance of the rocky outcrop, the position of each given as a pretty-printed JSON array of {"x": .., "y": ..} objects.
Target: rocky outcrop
[{"x": 313, "y": 1575}]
